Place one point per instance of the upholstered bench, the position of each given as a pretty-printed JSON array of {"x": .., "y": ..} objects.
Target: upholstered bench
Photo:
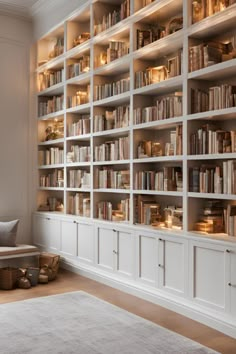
[{"x": 18, "y": 251}]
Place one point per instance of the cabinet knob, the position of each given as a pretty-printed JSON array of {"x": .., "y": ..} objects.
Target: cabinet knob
[
  {"x": 228, "y": 251},
  {"x": 159, "y": 265},
  {"x": 48, "y": 218},
  {"x": 160, "y": 239},
  {"x": 114, "y": 230},
  {"x": 74, "y": 222},
  {"x": 229, "y": 284},
  {"x": 115, "y": 252}
]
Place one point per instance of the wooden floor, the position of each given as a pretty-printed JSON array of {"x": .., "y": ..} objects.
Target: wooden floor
[{"x": 67, "y": 281}]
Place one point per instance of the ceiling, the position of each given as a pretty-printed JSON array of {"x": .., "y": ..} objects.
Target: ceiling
[{"x": 21, "y": 8}]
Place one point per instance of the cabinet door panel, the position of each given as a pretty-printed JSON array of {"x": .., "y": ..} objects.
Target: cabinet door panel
[
  {"x": 39, "y": 228},
  {"x": 172, "y": 266},
  {"x": 105, "y": 248},
  {"x": 208, "y": 284},
  {"x": 125, "y": 253},
  {"x": 232, "y": 282},
  {"x": 68, "y": 238},
  {"x": 147, "y": 259},
  {"x": 85, "y": 243},
  {"x": 54, "y": 234}
]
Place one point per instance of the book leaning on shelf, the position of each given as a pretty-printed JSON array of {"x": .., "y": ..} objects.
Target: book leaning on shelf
[
  {"x": 105, "y": 211},
  {"x": 205, "y": 8},
  {"x": 210, "y": 139},
  {"x": 79, "y": 204},
  {"x": 168, "y": 106}
]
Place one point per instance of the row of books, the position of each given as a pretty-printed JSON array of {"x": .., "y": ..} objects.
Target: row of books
[
  {"x": 51, "y": 156},
  {"x": 166, "y": 107},
  {"x": 214, "y": 179},
  {"x": 148, "y": 148},
  {"x": 112, "y": 18},
  {"x": 117, "y": 49},
  {"x": 150, "y": 76},
  {"x": 48, "y": 105},
  {"x": 205, "y": 8},
  {"x": 149, "y": 35},
  {"x": 111, "y": 89},
  {"x": 206, "y": 54},
  {"x": 112, "y": 150},
  {"x": 78, "y": 154},
  {"x": 209, "y": 139},
  {"x": 54, "y": 179},
  {"x": 169, "y": 179},
  {"x": 81, "y": 66},
  {"x": 80, "y": 127},
  {"x": 109, "y": 178},
  {"x": 217, "y": 97},
  {"x": 50, "y": 78},
  {"x": 112, "y": 119},
  {"x": 79, "y": 204},
  {"x": 149, "y": 211},
  {"x": 79, "y": 179},
  {"x": 81, "y": 97},
  {"x": 105, "y": 210}
]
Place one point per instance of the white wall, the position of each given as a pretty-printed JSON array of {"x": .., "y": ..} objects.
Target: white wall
[
  {"x": 15, "y": 145},
  {"x": 51, "y": 13}
]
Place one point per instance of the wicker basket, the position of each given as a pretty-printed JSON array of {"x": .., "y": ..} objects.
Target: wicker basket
[
  {"x": 8, "y": 278},
  {"x": 49, "y": 263}
]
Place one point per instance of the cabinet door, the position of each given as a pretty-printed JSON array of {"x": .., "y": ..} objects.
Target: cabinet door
[
  {"x": 124, "y": 253},
  {"x": 208, "y": 275},
  {"x": 39, "y": 231},
  {"x": 105, "y": 248},
  {"x": 172, "y": 265},
  {"x": 231, "y": 284},
  {"x": 54, "y": 234},
  {"x": 69, "y": 238},
  {"x": 46, "y": 232},
  {"x": 146, "y": 256},
  {"x": 85, "y": 250}
]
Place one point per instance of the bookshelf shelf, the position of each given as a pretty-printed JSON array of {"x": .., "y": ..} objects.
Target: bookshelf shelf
[
  {"x": 161, "y": 47},
  {"x": 111, "y": 190},
  {"x": 222, "y": 156},
  {"x": 163, "y": 193},
  {"x": 131, "y": 73},
  {"x": 81, "y": 79},
  {"x": 212, "y": 196},
  {"x": 114, "y": 162},
  {"x": 216, "y": 71},
  {"x": 163, "y": 87},
  {"x": 59, "y": 142},
  {"x": 222, "y": 114},
  {"x": 159, "y": 159},
  {"x": 214, "y": 24},
  {"x": 51, "y": 166}
]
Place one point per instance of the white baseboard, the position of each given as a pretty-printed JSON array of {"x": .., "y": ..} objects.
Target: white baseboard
[{"x": 183, "y": 306}]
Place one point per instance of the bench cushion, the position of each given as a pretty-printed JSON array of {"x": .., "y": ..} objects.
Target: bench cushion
[{"x": 18, "y": 251}]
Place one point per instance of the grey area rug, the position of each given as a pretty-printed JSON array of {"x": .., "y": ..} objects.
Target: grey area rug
[{"x": 76, "y": 322}]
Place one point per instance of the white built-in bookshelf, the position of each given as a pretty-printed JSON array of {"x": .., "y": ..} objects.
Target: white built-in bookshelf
[{"x": 137, "y": 115}]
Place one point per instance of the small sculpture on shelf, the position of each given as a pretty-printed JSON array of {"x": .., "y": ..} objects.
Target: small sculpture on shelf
[
  {"x": 52, "y": 204},
  {"x": 54, "y": 131},
  {"x": 83, "y": 37}
]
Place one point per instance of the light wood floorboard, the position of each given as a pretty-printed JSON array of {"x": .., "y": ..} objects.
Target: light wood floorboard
[{"x": 68, "y": 281}]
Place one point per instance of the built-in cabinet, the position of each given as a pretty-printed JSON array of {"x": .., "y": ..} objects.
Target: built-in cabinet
[
  {"x": 137, "y": 148},
  {"x": 115, "y": 250}
]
